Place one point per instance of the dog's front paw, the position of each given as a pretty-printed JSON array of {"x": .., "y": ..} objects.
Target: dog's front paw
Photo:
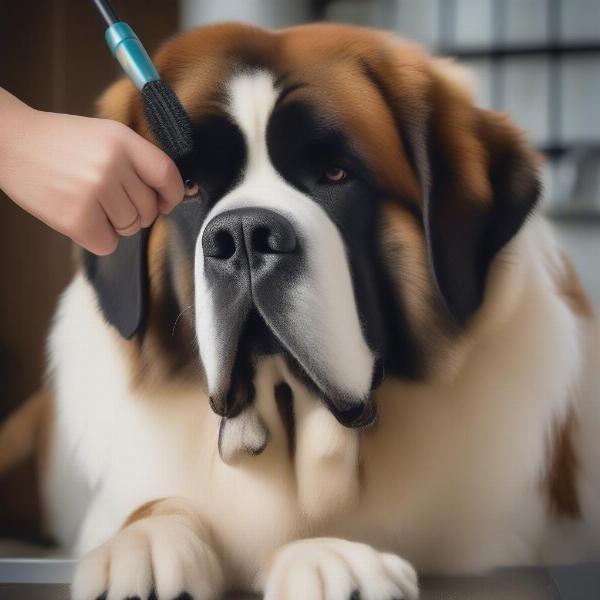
[
  {"x": 335, "y": 569},
  {"x": 159, "y": 557}
]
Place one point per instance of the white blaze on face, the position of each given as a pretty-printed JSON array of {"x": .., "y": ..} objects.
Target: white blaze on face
[{"x": 321, "y": 317}]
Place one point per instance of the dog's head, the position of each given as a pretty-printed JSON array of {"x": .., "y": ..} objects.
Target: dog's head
[{"x": 350, "y": 202}]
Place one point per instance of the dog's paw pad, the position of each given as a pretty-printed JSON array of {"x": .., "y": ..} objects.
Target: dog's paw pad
[{"x": 333, "y": 569}]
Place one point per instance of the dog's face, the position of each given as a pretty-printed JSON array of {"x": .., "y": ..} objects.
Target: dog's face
[{"x": 347, "y": 202}]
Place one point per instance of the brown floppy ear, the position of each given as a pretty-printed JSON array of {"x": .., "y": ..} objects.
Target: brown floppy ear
[
  {"x": 479, "y": 183},
  {"x": 120, "y": 279}
]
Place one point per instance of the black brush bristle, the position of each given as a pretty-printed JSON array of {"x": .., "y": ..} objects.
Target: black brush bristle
[{"x": 168, "y": 120}]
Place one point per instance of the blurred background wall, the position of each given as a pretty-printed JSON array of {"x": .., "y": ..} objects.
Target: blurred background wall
[{"x": 537, "y": 59}]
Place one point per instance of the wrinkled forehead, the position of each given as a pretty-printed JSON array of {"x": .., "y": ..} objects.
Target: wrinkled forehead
[{"x": 251, "y": 82}]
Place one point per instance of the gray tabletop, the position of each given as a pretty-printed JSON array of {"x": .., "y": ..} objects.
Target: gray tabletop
[{"x": 34, "y": 579}]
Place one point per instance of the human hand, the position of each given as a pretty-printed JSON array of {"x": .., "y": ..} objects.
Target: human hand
[{"x": 90, "y": 179}]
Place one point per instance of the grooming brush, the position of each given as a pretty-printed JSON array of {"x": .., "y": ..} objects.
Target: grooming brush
[{"x": 167, "y": 118}]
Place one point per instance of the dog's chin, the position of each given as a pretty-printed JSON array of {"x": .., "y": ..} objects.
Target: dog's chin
[{"x": 253, "y": 340}]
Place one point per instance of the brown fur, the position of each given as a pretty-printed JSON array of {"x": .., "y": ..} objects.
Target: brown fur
[
  {"x": 25, "y": 442},
  {"x": 404, "y": 246},
  {"x": 25, "y": 431},
  {"x": 166, "y": 351},
  {"x": 561, "y": 479},
  {"x": 170, "y": 507},
  {"x": 149, "y": 509}
]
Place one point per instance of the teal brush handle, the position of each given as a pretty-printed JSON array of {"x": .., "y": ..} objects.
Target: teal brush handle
[{"x": 131, "y": 55}]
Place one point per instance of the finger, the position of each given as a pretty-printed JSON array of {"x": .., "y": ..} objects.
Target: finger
[
  {"x": 96, "y": 234},
  {"x": 164, "y": 208},
  {"x": 144, "y": 198},
  {"x": 130, "y": 229},
  {"x": 156, "y": 170},
  {"x": 121, "y": 212}
]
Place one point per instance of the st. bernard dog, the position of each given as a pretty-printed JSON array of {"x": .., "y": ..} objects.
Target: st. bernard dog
[{"x": 354, "y": 350}]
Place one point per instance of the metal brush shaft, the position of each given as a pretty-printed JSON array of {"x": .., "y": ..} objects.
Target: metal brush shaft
[{"x": 106, "y": 12}]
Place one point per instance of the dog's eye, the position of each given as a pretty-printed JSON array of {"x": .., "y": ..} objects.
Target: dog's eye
[
  {"x": 335, "y": 174},
  {"x": 192, "y": 190}
]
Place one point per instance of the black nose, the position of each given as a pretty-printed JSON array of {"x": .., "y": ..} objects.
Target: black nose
[{"x": 257, "y": 233}]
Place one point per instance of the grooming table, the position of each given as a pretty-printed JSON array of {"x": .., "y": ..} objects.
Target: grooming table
[{"x": 43, "y": 579}]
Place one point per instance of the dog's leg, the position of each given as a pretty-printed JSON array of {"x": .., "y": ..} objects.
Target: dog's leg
[
  {"x": 164, "y": 547},
  {"x": 336, "y": 569},
  {"x": 327, "y": 458}
]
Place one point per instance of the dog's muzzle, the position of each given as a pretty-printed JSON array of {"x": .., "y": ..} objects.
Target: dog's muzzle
[
  {"x": 259, "y": 278},
  {"x": 246, "y": 249}
]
